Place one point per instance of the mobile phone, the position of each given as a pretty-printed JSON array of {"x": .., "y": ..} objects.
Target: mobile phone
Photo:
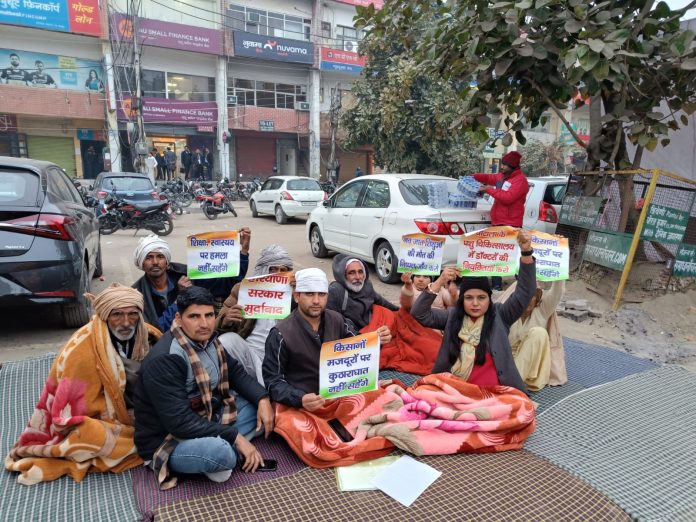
[
  {"x": 340, "y": 430},
  {"x": 268, "y": 465}
]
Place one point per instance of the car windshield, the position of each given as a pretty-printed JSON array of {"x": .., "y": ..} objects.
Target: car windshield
[
  {"x": 18, "y": 189},
  {"x": 303, "y": 184},
  {"x": 128, "y": 184},
  {"x": 415, "y": 191}
]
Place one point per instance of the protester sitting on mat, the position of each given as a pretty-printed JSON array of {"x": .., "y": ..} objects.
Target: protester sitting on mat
[
  {"x": 291, "y": 364},
  {"x": 245, "y": 339},
  {"x": 163, "y": 279},
  {"x": 475, "y": 345},
  {"x": 82, "y": 422},
  {"x": 415, "y": 284},
  {"x": 352, "y": 294},
  {"x": 187, "y": 418},
  {"x": 530, "y": 338}
]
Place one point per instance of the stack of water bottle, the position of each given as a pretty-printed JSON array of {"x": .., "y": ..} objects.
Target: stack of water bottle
[
  {"x": 468, "y": 193},
  {"x": 438, "y": 196}
]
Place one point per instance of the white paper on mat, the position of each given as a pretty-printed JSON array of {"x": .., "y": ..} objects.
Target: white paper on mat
[{"x": 406, "y": 479}]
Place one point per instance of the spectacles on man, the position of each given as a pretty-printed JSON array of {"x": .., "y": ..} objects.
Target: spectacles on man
[{"x": 119, "y": 315}]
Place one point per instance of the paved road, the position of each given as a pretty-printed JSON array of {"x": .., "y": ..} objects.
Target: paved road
[{"x": 31, "y": 332}]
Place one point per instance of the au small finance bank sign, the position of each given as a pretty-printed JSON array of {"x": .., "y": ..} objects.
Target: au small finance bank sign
[{"x": 272, "y": 48}]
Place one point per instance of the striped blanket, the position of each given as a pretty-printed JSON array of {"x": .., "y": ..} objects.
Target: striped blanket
[{"x": 80, "y": 423}]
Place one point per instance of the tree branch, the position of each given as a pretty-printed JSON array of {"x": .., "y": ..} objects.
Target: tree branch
[{"x": 555, "y": 109}]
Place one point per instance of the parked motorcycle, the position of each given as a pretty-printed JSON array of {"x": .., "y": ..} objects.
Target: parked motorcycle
[
  {"x": 117, "y": 214},
  {"x": 218, "y": 203}
]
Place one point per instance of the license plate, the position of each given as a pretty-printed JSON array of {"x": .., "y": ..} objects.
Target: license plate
[
  {"x": 473, "y": 227},
  {"x": 309, "y": 203}
]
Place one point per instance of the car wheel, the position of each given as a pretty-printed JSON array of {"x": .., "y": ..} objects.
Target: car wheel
[
  {"x": 316, "y": 243},
  {"x": 78, "y": 314},
  {"x": 254, "y": 213},
  {"x": 386, "y": 263},
  {"x": 98, "y": 271},
  {"x": 281, "y": 217}
]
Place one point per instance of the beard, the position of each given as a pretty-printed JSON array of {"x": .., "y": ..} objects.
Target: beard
[
  {"x": 355, "y": 287},
  {"x": 125, "y": 333}
]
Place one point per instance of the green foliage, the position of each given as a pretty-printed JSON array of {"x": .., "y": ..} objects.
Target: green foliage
[
  {"x": 529, "y": 56},
  {"x": 409, "y": 117}
]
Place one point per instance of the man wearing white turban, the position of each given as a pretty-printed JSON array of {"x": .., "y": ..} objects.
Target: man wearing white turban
[
  {"x": 245, "y": 339},
  {"x": 291, "y": 363},
  {"x": 164, "y": 279}
]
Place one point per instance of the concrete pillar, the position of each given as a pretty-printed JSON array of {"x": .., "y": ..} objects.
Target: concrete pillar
[
  {"x": 223, "y": 122},
  {"x": 111, "y": 114},
  {"x": 314, "y": 124}
]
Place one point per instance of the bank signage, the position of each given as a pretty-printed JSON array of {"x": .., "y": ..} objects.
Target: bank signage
[
  {"x": 272, "y": 48},
  {"x": 168, "y": 35},
  {"x": 341, "y": 61},
  {"x": 68, "y": 16},
  {"x": 175, "y": 112}
]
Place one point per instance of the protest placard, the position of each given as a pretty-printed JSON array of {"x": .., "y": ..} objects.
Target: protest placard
[
  {"x": 492, "y": 251},
  {"x": 266, "y": 297},
  {"x": 210, "y": 255},
  {"x": 552, "y": 256},
  {"x": 349, "y": 366},
  {"x": 421, "y": 254}
]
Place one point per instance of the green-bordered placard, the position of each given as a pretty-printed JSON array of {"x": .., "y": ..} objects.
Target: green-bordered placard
[{"x": 685, "y": 261}]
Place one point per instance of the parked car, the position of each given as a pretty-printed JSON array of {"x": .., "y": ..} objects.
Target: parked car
[
  {"x": 287, "y": 196},
  {"x": 49, "y": 240},
  {"x": 543, "y": 203},
  {"x": 133, "y": 187},
  {"x": 367, "y": 216}
]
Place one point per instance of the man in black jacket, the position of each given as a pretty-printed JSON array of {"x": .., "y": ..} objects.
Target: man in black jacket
[
  {"x": 187, "y": 418},
  {"x": 352, "y": 294},
  {"x": 291, "y": 364},
  {"x": 163, "y": 279},
  {"x": 186, "y": 160}
]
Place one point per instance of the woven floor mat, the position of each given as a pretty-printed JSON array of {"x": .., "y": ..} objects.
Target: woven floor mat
[
  {"x": 633, "y": 439},
  {"x": 149, "y": 496},
  {"x": 591, "y": 365},
  {"x": 505, "y": 486},
  {"x": 99, "y": 497},
  {"x": 407, "y": 378},
  {"x": 550, "y": 395}
]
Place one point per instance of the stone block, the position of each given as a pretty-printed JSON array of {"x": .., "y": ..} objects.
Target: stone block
[
  {"x": 576, "y": 315},
  {"x": 577, "y": 304}
]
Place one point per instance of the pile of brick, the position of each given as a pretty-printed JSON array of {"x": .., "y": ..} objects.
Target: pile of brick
[{"x": 576, "y": 309}]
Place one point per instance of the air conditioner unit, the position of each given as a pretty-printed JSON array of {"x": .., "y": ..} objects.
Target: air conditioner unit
[
  {"x": 302, "y": 106},
  {"x": 231, "y": 100},
  {"x": 253, "y": 18},
  {"x": 350, "y": 45}
]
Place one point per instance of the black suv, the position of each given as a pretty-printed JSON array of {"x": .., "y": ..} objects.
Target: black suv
[{"x": 49, "y": 239}]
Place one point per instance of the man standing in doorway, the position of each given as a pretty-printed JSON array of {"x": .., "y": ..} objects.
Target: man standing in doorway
[
  {"x": 186, "y": 160},
  {"x": 209, "y": 161},
  {"x": 509, "y": 190},
  {"x": 170, "y": 161}
]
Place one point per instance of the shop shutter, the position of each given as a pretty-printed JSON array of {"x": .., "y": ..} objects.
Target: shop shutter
[
  {"x": 255, "y": 156},
  {"x": 60, "y": 151}
]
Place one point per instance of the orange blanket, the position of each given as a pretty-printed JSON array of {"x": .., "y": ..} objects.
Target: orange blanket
[
  {"x": 312, "y": 439},
  {"x": 413, "y": 348},
  {"x": 80, "y": 423}
]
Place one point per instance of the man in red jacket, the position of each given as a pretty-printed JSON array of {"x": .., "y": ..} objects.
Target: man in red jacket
[{"x": 509, "y": 191}]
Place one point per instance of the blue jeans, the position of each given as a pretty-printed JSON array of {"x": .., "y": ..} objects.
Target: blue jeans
[{"x": 211, "y": 454}]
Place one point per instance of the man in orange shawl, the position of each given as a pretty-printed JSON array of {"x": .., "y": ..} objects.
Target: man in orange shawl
[{"x": 82, "y": 422}]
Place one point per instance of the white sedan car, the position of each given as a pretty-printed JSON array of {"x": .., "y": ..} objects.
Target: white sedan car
[
  {"x": 287, "y": 196},
  {"x": 368, "y": 215}
]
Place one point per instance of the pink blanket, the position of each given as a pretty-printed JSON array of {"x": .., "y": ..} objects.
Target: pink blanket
[{"x": 441, "y": 414}]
